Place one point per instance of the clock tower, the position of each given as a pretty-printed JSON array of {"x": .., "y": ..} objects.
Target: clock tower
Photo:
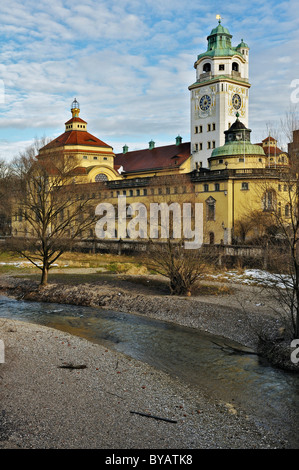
[{"x": 220, "y": 91}]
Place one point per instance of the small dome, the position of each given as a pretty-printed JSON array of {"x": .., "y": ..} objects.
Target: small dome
[{"x": 242, "y": 45}]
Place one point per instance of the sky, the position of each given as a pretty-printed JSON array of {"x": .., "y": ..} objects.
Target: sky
[{"x": 129, "y": 64}]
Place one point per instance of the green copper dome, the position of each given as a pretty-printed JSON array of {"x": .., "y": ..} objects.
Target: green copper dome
[
  {"x": 242, "y": 45},
  {"x": 238, "y": 148},
  {"x": 220, "y": 30},
  {"x": 219, "y": 44},
  {"x": 237, "y": 142}
]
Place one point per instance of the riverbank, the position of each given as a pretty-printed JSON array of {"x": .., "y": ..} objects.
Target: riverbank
[{"x": 240, "y": 312}]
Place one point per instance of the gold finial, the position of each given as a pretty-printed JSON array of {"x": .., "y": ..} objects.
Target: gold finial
[{"x": 219, "y": 18}]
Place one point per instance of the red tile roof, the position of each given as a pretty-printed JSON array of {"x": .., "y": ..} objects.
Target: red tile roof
[
  {"x": 169, "y": 156},
  {"x": 76, "y": 138},
  {"x": 76, "y": 119}
]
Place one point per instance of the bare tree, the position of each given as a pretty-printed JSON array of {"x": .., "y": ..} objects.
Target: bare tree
[
  {"x": 6, "y": 182},
  {"x": 168, "y": 254},
  {"x": 281, "y": 244},
  {"x": 52, "y": 211}
]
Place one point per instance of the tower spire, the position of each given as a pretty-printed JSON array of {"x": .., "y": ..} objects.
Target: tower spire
[{"x": 75, "y": 109}]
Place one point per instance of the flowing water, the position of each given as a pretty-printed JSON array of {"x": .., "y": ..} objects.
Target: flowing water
[{"x": 204, "y": 361}]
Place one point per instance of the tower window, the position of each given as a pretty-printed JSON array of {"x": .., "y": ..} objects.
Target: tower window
[
  {"x": 200, "y": 145},
  {"x": 244, "y": 186},
  {"x": 213, "y": 144},
  {"x": 209, "y": 127},
  {"x": 221, "y": 66},
  {"x": 207, "y": 67},
  {"x": 217, "y": 187},
  {"x": 200, "y": 129},
  {"x": 206, "y": 188},
  {"x": 213, "y": 126},
  {"x": 196, "y": 129},
  {"x": 235, "y": 67}
]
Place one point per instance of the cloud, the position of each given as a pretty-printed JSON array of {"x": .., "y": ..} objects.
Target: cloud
[{"x": 130, "y": 62}]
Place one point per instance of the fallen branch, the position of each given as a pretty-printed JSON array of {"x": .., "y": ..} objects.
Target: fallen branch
[
  {"x": 154, "y": 417},
  {"x": 235, "y": 349},
  {"x": 72, "y": 366}
]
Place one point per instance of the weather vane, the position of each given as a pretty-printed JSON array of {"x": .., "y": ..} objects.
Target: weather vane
[{"x": 219, "y": 18}]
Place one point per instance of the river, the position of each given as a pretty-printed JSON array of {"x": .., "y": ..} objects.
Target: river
[{"x": 200, "y": 359}]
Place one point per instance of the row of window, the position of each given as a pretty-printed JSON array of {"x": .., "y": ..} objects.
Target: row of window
[
  {"x": 210, "y": 127},
  {"x": 208, "y": 68},
  {"x": 85, "y": 157},
  {"x": 210, "y": 145},
  {"x": 70, "y": 126},
  {"x": 206, "y": 187}
]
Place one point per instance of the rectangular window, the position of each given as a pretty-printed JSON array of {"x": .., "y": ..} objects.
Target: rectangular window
[
  {"x": 137, "y": 192},
  {"x": 221, "y": 66},
  {"x": 200, "y": 129},
  {"x": 213, "y": 144},
  {"x": 245, "y": 186},
  {"x": 196, "y": 147},
  {"x": 145, "y": 192},
  {"x": 206, "y": 188},
  {"x": 209, "y": 145},
  {"x": 196, "y": 129},
  {"x": 241, "y": 160},
  {"x": 209, "y": 127},
  {"x": 131, "y": 192},
  {"x": 214, "y": 126},
  {"x": 217, "y": 186}
]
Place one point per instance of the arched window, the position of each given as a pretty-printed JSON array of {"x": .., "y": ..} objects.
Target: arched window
[
  {"x": 235, "y": 67},
  {"x": 207, "y": 67},
  {"x": 101, "y": 177}
]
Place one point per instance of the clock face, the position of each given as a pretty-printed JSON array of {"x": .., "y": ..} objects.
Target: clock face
[
  {"x": 205, "y": 102},
  {"x": 236, "y": 101}
]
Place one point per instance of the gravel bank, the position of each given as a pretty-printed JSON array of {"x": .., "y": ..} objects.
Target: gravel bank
[{"x": 44, "y": 406}]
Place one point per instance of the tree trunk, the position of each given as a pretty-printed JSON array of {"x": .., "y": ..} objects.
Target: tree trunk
[{"x": 44, "y": 279}]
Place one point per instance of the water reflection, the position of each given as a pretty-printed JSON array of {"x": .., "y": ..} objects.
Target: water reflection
[{"x": 265, "y": 392}]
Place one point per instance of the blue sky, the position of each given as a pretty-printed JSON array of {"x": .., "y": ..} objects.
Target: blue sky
[{"x": 129, "y": 64}]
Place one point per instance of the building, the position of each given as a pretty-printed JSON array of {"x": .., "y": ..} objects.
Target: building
[{"x": 219, "y": 167}]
